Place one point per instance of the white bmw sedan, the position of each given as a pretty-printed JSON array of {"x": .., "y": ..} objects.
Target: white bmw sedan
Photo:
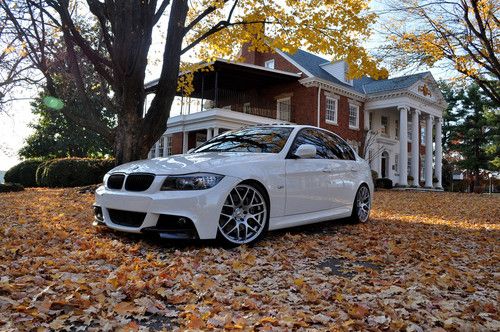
[{"x": 239, "y": 185}]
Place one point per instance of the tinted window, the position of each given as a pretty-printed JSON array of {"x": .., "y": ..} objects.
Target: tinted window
[
  {"x": 328, "y": 146},
  {"x": 316, "y": 138},
  {"x": 342, "y": 149},
  {"x": 256, "y": 139}
]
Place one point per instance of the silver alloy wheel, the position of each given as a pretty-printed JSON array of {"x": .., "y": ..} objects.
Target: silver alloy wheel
[
  {"x": 244, "y": 215},
  {"x": 363, "y": 203}
]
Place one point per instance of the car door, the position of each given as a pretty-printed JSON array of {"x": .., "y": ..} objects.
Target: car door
[
  {"x": 311, "y": 184},
  {"x": 348, "y": 168}
]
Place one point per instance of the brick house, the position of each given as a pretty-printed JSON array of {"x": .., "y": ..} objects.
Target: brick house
[{"x": 392, "y": 120}]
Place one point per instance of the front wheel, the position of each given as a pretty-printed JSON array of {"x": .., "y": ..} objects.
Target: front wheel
[
  {"x": 362, "y": 205},
  {"x": 244, "y": 217}
]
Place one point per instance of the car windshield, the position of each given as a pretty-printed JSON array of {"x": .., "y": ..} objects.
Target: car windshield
[{"x": 256, "y": 139}]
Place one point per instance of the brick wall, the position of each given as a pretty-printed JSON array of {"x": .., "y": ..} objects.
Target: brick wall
[{"x": 177, "y": 143}]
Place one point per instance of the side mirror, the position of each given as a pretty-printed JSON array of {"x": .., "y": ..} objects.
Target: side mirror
[{"x": 305, "y": 151}]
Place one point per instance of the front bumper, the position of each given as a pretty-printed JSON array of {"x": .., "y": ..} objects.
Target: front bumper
[{"x": 155, "y": 211}]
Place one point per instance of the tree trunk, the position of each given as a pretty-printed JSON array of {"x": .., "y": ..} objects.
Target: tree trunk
[{"x": 128, "y": 145}]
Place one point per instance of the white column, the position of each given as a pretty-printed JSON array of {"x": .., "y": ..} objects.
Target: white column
[
  {"x": 165, "y": 145},
  {"x": 185, "y": 142},
  {"x": 216, "y": 131},
  {"x": 157, "y": 149},
  {"x": 403, "y": 145},
  {"x": 366, "y": 118},
  {"x": 209, "y": 133},
  {"x": 415, "y": 148},
  {"x": 438, "y": 153},
  {"x": 428, "y": 152}
]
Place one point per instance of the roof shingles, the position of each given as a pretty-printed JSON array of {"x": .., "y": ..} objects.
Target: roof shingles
[{"x": 312, "y": 63}]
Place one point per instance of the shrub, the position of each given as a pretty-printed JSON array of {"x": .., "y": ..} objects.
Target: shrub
[
  {"x": 41, "y": 173},
  {"x": 383, "y": 183},
  {"x": 461, "y": 185},
  {"x": 374, "y": 175},
  {"x": 10, "y": 187},
  {"x": 23, "y": 173},
  {"x": 73, "y": 172}
]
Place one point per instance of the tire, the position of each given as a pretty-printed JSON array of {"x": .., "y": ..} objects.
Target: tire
[
  {"x": 244, "y": 218},
  {"x": 362, "y": 205}
]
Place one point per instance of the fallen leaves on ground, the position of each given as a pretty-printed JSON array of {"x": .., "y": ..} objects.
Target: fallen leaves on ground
[{"x": 425, "y": 261}]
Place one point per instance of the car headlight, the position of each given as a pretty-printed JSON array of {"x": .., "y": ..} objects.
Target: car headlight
[{"x": 197, "y": 181}]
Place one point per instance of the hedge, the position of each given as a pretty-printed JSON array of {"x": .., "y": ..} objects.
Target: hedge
[
  {"x": 72, "y": 172},
  {"x": 383, "y": 183},
  {"x": 23, "y": 173},
  {"x": 10, "y": 187}
]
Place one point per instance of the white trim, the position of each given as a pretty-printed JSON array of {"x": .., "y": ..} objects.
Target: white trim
[
  {"x": 333, "y": 87},
  {"x": 212, "y": 118},
  {"x": 287, "y": 58},
  {"x": 332, "y": 95}
]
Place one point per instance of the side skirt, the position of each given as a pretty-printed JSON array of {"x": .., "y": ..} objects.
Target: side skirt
[{"x": 309, "y": 218}]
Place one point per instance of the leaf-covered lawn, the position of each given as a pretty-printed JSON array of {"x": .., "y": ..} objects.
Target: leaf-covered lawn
[{"x": 424, "y": 261}]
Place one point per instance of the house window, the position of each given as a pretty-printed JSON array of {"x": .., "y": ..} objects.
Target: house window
[
  {"x": 331, "y": 110},
  {"x": 422, "y": 135},
  {"x": 269, "y": 64},
  {"x": 160, "y": 146},
  {"x": 370, "y": 120},
  {"x": 410, "y": 131},
  {"x": 408, "y": 170},
  {"x": 397, "y": 129},
  {"x": 284, "y": 107},
  {"x": 384, "y": 130},
  {"x": 169, "y": 145},
  {"x": 353, "y": 116}
]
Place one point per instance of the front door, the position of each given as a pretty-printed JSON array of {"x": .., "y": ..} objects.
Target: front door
[
  {"x": 315, "y": 184},
  {"x": 383, "y": 162}
]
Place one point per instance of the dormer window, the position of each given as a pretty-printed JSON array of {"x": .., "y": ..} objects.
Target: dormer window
[{"x": 269, "y": 64}]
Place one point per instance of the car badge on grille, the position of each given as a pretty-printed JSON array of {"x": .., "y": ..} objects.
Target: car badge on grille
[{"x": 136, "y": 167}]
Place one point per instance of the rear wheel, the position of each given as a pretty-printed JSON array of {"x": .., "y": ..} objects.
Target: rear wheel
[
  {"x": 362, "y": 205},
  {"x": 244, "y": 217}
]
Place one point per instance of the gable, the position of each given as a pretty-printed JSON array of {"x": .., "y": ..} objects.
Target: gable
[{"x": 428, "y": 88}]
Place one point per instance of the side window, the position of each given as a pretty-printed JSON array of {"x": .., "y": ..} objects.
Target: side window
[
  {"x": 342, "y": 148},
  {"x": 313, "y": 137}
]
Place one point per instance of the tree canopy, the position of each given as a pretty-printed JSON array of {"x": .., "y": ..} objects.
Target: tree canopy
[
  {"x": 115, "y": 38},
  {"x": 459, "y": 35}
]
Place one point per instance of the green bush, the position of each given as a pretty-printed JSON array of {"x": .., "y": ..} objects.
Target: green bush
[
  {"x": 10, "y": 187},
  {"x": 41, "y": 173},
  {"x": 73, "y": 172},
  {"x": 23, "y": 173},
  {"x": 383, "y": 183}
]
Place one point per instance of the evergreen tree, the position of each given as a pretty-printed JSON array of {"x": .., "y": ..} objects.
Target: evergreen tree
[{"x": 472, "y": 129}]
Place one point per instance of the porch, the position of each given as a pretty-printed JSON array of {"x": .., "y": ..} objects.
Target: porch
[
  {"x": 225, "y": 96},
  {"x": 406, "y": 144}
]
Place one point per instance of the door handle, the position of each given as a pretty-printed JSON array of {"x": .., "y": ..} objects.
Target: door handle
[
  {"x": 354, "y": 169},
  {"x": 327, "y": 170}
]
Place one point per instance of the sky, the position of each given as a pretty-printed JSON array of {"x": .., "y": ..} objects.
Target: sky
[{"x": 14, "y": 125}]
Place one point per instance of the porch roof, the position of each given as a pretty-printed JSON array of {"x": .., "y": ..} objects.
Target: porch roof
[{"x": 232, "y": 76}]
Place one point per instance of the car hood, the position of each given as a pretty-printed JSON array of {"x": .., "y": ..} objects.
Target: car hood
[{"x": 214, "y": 162}]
